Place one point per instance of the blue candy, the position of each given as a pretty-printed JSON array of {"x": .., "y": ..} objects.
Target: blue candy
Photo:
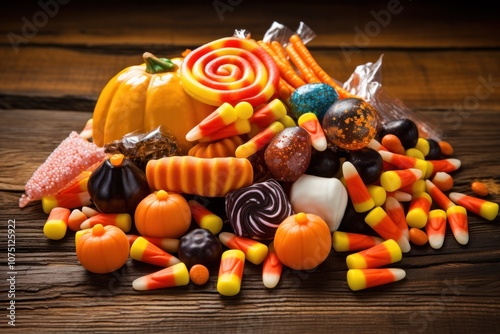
[{"x": 314, "y": 97}]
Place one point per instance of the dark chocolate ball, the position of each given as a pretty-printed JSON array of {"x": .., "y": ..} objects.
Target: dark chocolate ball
[
  {"x": 405, "y": 129},
  {"x": 199, "y": 246},
  {"x": 368, "y": 163},
  {"x": 324, "y": 163}
]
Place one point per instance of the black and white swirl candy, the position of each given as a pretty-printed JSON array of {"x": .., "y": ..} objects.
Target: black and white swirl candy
[{"x": 257, "y": 210}]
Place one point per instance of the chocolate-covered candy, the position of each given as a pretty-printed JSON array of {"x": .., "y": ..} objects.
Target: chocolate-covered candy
[
  {"x": 257, "y": 210},
  {"x": 199, "y": 246},
  {"x": 405, "y": 129},
  {"x": 434, "y": 150},
  {"x": 368, "y": 163},
  {"x": 325, "y": 163},
  {"x": 288, "y": 154}
]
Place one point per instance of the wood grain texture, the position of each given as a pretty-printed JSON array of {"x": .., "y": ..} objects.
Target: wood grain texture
[{"x": 441, "y": 60}]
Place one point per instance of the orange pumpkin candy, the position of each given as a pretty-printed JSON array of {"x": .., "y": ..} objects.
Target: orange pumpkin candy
[
  {"x": 163, "y": 215},
  {"x": 102, "y": 249},
  {"x": 143, "y": 97},
  {"x": 303, "y": 241}
]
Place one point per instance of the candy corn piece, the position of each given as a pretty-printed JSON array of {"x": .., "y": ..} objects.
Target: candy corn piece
[
  {"x": 144, "y": 251},
  {"x": 169, "y": 245},
  {"x": 259, "y": 140},
  {"x": 218, "y": 119},
  {"x": 176, "y": 275},
  {"x": 359, "y": 279},
  {"x": 244, "y": 110},
  {"x": 230, "y": 275},
  {"x": 395, "y": 179},
  {"x": 89, "y": 212},
  {"x": 486, "y": 209},
  {"x": 379, "y": 255},
  {"x": 443, "y": 165},
  {"x": 436, "y": 228},
  {"x": 254, "y": 251},
  {"x": 205, "y": 218},
  {"x": 396, "y": 212},
  {"x": 120, "y": 220},
  {"x": 76, "y": 218},
  {"x": 400, "y": 196},
  {"x": 457, "y": 218},
  {"x": 267, "y": 114},
  {"x": 419, "y": 210},
  {"x": 443, "y": 181},
  {"x": 347, "y": 241},
  {"x": 57, "y": 223},
  {"x": 415, "y": 187},
  {"x": 239, "y": 127},
  {"x": 271, "y": 268},
  {"x": 68, "y": 201},
  {"x": 86, "y": 132},
  {"x": 311, "y": 124},
  {"x": 78, "y": 185},
  {"x": 403, "y": 161},
  {"x": 287, "y": 121},
  {"x": 360, "y": 197},
  {"x": 381, "y": 223},
  {"x": 438, "y": 196},
  {"x": 378, "y": 194}
]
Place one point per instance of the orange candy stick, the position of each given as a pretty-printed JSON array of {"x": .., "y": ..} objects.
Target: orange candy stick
[
  {"x": 57, "y": 223},
  {"x": 176, "y": 275},
  {"x": 76, "y": 218},
  {"x": 403, "y": 161},
  {"x": 359, "y": 194},
  {"x": 120, "y": 220},
  {"x": 347, "y": 241},
  {"x": 436, "y": 228},
  {"x": 218, "y": 119},
  {"x": 445, "y": 165},
  {"x": 145, "y": 251},
  {"x": 254, "y": 251},
  {"x": 379, "y": 255},
  {"x": 395, "y": 179},
  {"x": 486, "y": 209},
  {"x": 169, "y": 245},
  {"x": 359, "y": 279},
  {"x": 239, "y": 127},
  {"x": 396, "y": 212},
  {"x": 309, "y": 122},
  {"x": 438, "y": 196},
  {"x": 68, "y": 201},
  {"x": 267, "y": 114},
  {"x": 419, "y": 210},
  {"x": 259, "y": 141},
  {"x": 457, "y": 218},
  {"x": 204, "y": 217},
  {"x": 381, "y": 223},
  {"x": 271, "y": 268},
  {"x": 230, "y": 275}
]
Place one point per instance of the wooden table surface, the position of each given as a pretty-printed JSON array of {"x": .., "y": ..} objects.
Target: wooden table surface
[{"x": 441, "y": 60}]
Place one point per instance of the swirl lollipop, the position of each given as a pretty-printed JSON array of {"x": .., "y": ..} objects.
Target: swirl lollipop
[
  {"x": 230, "y": 70},
  {"x": 257, "y": 210}
]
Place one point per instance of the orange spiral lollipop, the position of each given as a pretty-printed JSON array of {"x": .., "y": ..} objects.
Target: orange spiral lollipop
[{"x": 230, "y": 70}]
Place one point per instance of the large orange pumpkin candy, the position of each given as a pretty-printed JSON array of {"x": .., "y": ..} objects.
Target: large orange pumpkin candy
[
  {"x": 302, "y": 241},
  {"x": 143, "y": 97}
]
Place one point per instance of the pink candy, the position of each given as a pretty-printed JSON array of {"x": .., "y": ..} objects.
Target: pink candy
[{"x": 73, "y": 156}]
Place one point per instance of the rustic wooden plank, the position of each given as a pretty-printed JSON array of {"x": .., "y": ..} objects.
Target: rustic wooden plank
[
  {"x": 72, "y": 79},
  {"x": 365, "y": 24}
]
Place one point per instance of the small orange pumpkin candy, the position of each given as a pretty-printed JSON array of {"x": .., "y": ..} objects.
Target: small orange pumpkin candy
[
  {"x": 163, "y": 215},
  {"x": 102, "y": 249},
  {"x": 303, "y": 241}
]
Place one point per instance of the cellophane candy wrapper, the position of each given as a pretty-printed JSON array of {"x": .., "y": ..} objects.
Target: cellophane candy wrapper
[
  {"x": 142, "y": 147},
  {"x": 365, "y": 82}
]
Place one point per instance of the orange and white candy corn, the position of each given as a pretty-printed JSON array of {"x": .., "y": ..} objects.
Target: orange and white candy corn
[
  {"x": 395, "y": 179},
  {"x": 381, "y": 223},
  {"x": 176, "y": 275},
  {"x": 379, "y": 255},
  {"x": 144, "y": 251},
  {"x": 258, "y": 141},
  {"x": 486, "y": 209},
  {"x": 57, "y": 223},
  {"x": 254, "y": 251},
  {"x": 309, "y": 122},
  {"x": 230, "y": 275},
  {"x": 271, "y": 268},
  {"x": 359, "y": 279},
  {"x": 458, "y": 221},
  {"x": 169, "y": 245},
  {"x": 120, "y": 220},
  {"x": 204, "y": 217},
  {"x": 403, "y": 162},
  {"x": 436, "y": 228},
  {"x": 438, "y": 196},
  {"x": 419, "y": 210},
  {"x": 358, "y": 192},
  {"x": 65, "y": 200},
  {"x": 348, "y": 241},
  {"x": 396, "y": 212}
]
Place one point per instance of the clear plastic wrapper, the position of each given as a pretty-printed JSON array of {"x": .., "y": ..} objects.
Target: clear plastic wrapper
[{"x": 142, "y": 147}]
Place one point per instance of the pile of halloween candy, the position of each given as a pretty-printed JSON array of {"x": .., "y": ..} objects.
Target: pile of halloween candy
[{"x": 302, "y": 166}]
